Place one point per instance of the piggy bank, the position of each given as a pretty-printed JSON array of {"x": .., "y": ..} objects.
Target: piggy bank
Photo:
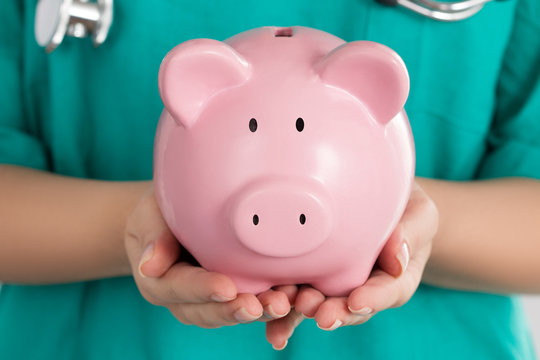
[{"x": 284, "y": 155}]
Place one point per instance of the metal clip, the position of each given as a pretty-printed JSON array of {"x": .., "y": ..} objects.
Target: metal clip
[{"x": 77, "y": 18}]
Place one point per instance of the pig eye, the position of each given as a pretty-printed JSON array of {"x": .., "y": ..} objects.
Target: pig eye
[
  {"x": 299, "y": 124},
  {"x": 252, "y": 125}
]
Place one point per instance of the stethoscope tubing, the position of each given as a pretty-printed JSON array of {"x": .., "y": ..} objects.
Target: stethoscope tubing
[
  {"x": 80, "y": 18},
  {"x": 441, "y": 11},
  {"x": 446, "y": 16},
  {"x": 452, "y": 7}
]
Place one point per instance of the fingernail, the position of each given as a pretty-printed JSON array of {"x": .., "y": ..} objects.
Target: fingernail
[
  {"x": 243, "y": 316},
  {"x": 403, "y": 256},
  {"x": 362, "y": 311},
  {"x": 220, "y": 298},
  {"x": 271, "y": 314},
  {"x": 334, "y": 326},
  {"x": 146, "y": 255},
  {"x": 266, "y": 315},
  {"x": 281, "y": 347}
]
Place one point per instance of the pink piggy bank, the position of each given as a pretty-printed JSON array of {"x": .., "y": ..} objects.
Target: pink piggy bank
[{"x": 284, "y": 155}]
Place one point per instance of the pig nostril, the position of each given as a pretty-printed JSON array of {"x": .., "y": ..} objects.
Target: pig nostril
[
  {"x": 255, "y": 220},
  {"x": 299, "y": 124},
  {"x": 302, "y": 219},
  {"x": 253, "y": 125}
]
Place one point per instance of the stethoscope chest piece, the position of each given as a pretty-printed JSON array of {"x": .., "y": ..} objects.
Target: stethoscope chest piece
[{"x": 77, "y": 18}]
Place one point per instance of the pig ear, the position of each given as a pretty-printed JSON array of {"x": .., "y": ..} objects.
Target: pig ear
[
  {"x": 371, "y": 72},
  {"x": 193, "y": 72}
]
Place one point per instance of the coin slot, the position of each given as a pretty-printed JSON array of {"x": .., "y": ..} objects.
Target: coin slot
[{"x": 284, "y": 32}]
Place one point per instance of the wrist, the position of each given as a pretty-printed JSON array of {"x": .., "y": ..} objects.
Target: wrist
[{"x": 132, "y": 192}]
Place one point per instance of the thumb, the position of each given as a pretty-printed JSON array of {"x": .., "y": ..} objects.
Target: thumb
[
  {"x": 394, "y": 256},
  {"x": 416, "y": 228},
  {"x": 150, "y": 244},
  {"x": 159, "y": 255}
]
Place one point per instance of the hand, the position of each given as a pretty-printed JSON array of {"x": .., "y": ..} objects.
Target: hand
[
  {"x": 165, "y": 277},
  {"x": 393, "y": 282}
]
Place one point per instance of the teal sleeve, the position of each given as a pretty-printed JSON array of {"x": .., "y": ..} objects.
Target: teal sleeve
[
  {"x": 514, "y": 139},
  {"x": 17, "y": 145}
]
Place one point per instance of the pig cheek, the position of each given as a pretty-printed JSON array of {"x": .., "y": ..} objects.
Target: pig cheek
[
  {"x": 200, "y": 183},
  {"x": 369, "y": 199}
]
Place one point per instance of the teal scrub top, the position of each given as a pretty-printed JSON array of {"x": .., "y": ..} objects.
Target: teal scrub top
[{"x": 474, "y": 108}]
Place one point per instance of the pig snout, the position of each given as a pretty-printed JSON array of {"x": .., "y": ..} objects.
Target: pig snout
[{"x": 282, "y": 218}]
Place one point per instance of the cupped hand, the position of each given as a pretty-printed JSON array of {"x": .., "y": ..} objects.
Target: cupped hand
[
  {"x": 392, "y": 283},
  {"x": 165, "y": 277},
  {"x": 395, "y": 278}
]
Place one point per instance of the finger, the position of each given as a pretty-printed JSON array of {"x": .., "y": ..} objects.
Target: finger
[
  {"x": 334, "y": 313},
  {"x": 184, "y": 283},
  {"x": 383, "y": 291},
  {"x": 279, "y": 331},
  {"x": 290, "y": 291},
  {"x": 159, "y": 255},
  {"x": 275, "y": 304},
  {"x": 308, "y": 301},
  {"x": 245, "y": 308}
]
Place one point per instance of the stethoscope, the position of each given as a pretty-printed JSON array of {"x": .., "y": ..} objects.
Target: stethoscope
[
  {"x": 78, "y": 18},
  {"x": 81, "y": 18}
]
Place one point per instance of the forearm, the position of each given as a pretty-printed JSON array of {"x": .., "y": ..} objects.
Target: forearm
[
  {"x": 488, "y": 237},
  {"x": 61, "y": 229}
]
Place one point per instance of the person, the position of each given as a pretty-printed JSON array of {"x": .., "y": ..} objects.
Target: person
[{"x": 85, "y": 256}]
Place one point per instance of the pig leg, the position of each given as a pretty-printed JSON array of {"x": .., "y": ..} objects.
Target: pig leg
[
  {"x": 250, "y": 285},
  {"x": 343, "y": 283}
]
